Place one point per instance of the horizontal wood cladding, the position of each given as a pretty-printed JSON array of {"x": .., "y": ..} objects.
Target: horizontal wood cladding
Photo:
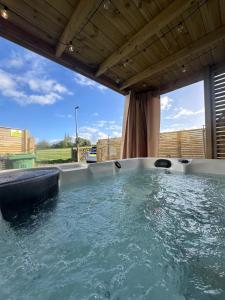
[
  {"x": 218, "y": 106},
  {"x": 15, "y": 141},
  {"x": 108, "y": 149},
  {"x": 186, "y": 143}
]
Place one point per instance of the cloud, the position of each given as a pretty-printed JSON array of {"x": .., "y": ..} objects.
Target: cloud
[
  {"x": 15, "y": 61},
  {"x": 54, "y": 141},
  {"x": 92, "y": 134},
  {"x": 183, "y": 112},
  {"x": 84, "y": 81},
  {"x": 166, "y": 102},
  {"x": 175, "y": 128},
  {"x": 95, "y": 114},
  {"x": 25, "y": 80},
  {"x": 109, "y": 126},
  {"x": 116, "y": 134},
  {"x": 46, "y": 99},
  {"x": 104, "y": 123},
  {"x": 100, "y": 123},
  {"x": 63, "y": 116},
  {"x": 101, "y": 130},
  {"x": 46, "y": 86}
]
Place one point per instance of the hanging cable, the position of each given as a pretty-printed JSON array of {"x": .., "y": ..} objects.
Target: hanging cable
[
  {"x": 157, "y": 38},
  {"x": 193, "y": 60}
]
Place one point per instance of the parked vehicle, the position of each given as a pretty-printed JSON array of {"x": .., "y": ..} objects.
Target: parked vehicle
[{"x": 91, "y": 156}]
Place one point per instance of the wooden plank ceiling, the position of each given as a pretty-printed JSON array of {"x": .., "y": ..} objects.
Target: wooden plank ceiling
[{"x": 124, "y": 44}]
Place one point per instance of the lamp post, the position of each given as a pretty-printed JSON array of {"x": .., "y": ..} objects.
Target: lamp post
[{"x": 77, "y": 142}]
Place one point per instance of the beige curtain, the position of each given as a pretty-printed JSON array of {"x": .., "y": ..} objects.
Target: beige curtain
[{"x": 141, "y": 125}]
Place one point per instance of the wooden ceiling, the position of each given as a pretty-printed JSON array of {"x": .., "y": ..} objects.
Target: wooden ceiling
[{"x": 123, "y": 44}]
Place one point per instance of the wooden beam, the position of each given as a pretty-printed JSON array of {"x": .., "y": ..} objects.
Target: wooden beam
[
  {"x": 196, "y": 46},
  {"x": 80, "y": 14},
  {"x": 208, "y": 113},
  {"x": 181, "y": 82},
  {"x": 24, "y": 38},
  {"x": 153, "y": 27}
]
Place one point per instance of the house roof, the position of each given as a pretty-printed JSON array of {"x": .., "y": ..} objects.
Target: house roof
[{"x": 123, "y": 44}]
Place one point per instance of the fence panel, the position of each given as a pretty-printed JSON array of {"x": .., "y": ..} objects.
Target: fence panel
[
  {"x": 108, "y": 149},
  {"x": 83, "y": 151},
  {"x": 169, "y": 144},
  {"x": 192, "y": 143},
  {"x": 15, "y": 141},
  {"x": 186, "y": 143}
]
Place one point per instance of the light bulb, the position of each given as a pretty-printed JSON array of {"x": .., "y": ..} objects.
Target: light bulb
[
  {"x": 126, "y": 63},
  {"x": 71, "y": 47},
  {"x": 117, "y": 80},
  {"x": 4, "y": 13},
  {"x": 107, "y": 4},
  {"x": 180, "y": 27},
  {"x": 184, "y": 70}
]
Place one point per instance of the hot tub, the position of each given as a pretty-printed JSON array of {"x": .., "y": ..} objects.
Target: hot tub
[
  {"x": 135, "y": 232},
  {"x": 23, "y": 189}
]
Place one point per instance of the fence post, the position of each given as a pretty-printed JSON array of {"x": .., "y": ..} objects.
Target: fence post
[
  {"x": 25, "y": 140},
  {"x": 209, "y": 131},
  {"x": 108, "y": 149},
  {"x": 179, "y": 144},
  {"x": 203, "y": 138}
]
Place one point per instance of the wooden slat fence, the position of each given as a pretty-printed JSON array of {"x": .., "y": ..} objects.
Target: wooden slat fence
[
  {"x": 108, "y": 149},
  {"x": 186, "y": 143},
  {"x": 15, "y": 141},
  {"x": 83, "y": 151}
]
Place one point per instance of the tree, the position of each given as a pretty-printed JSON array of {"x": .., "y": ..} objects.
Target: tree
[
  {"x": 83, "y": 142},
  {"x": 43, "y": 145},
  {"x": 65, "y": 143}
]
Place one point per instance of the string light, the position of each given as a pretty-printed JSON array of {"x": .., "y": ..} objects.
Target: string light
[
  {"x": 126, "y": 63},
  {"x": 180, "y": 27},
  {"x": 71, "y": 47},
  {"x": 175, "y": 27},
  {"x": 184, "y": 70},
  {"x": 4, "y": 12},
  {"x": 107, "y": 4}
]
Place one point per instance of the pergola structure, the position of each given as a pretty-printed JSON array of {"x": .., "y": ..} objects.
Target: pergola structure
[{"x": 138, "y": 47}]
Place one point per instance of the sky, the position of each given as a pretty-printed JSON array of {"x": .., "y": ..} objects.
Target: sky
[{"x": 40, "y": 95}]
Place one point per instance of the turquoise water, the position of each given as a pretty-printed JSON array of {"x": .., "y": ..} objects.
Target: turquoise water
[{"x": 139, "y": 235}]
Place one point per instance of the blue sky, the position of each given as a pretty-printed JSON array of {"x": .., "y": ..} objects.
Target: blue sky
[
  {"x": 183, "y": 108},
  {"x": 40, "y": 95}
]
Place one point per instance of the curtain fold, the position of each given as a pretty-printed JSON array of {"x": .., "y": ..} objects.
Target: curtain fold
[{"x": 141, "y": 125}]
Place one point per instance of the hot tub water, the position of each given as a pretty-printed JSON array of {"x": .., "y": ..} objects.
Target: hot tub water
[{"x": 139, "y": 235}]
